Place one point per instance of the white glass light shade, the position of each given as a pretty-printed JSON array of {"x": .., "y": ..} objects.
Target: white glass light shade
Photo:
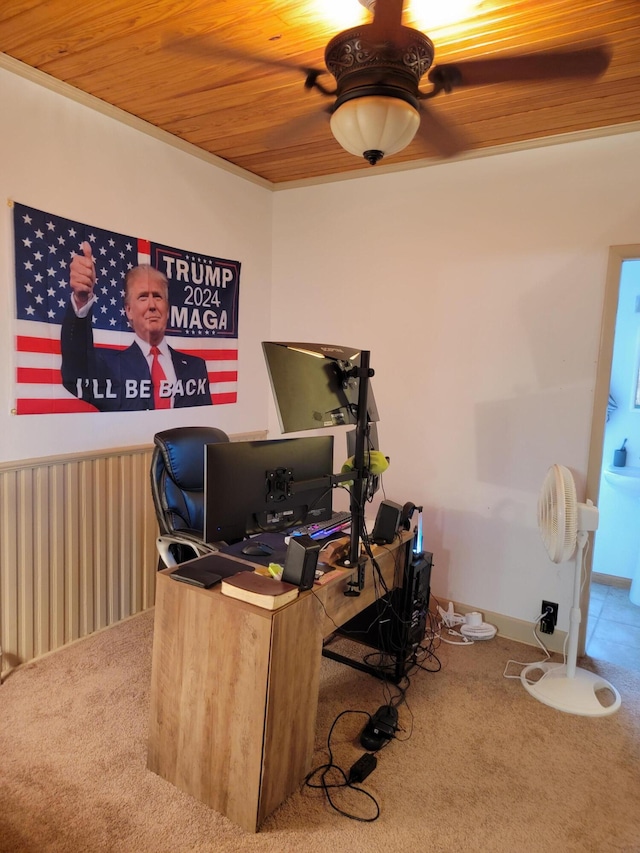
[{"x": 375, "y": 123}]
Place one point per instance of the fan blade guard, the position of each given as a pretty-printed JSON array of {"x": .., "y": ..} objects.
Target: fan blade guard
[{"x": 558, "y": 513}]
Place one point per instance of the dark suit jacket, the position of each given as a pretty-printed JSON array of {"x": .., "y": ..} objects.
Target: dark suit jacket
[{"x": 119, "y": 380}]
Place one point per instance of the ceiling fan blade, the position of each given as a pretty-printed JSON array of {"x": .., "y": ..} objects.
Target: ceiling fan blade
[
  {"x": 439, "y": 134},
  {"x": 546, "y": 65},
  {"x": 296, "y": 130},
  {"x": 217, "y": 52}
]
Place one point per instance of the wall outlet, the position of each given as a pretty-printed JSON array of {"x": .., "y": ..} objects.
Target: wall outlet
[{"x": 550, "y": 620}]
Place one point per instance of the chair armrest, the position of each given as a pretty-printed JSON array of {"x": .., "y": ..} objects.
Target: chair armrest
[{"x": 164, "y": 543}]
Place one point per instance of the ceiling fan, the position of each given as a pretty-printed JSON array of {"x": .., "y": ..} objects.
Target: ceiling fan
[{"x": 378, "y": 106}]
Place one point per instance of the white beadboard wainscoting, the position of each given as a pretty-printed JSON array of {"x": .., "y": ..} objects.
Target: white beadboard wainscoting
[{"x": 77, "y": 547}]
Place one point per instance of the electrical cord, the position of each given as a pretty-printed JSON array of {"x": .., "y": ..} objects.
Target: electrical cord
[
  {"x": 343, "y": 781},
  {"x": 379, "y": 584},
  {"x": 547, "y": 657},
  {"x": 395, "y": 701},
  {"x": 391, "y": 644},
  {"x": 331, "y": 778},
  {"x": 539, "y": 642},
  {"x": 386, "y": 663},
  {"x": 428, "y": 650},
  {"x": 449, "y": 619},
  {"x": 321, "y": 603}
]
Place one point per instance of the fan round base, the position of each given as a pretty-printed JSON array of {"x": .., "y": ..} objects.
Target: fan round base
[{"x": 582, "y": 694}]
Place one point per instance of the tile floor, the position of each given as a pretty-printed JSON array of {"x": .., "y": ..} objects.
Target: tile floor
[{"x": 613, "y": 631}]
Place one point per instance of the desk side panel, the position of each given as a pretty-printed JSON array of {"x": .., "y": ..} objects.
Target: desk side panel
[
  {"x": 292, "y": 704},
  {"x": 208, "y": 697}
]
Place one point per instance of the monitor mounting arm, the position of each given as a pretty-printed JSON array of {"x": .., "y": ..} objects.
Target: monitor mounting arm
[
  {"x": 358, "y": 489},
  {"x": 281, "y": 482}
]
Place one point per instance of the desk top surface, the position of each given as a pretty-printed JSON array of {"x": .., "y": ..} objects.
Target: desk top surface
[{"x": 336, "y": 607}]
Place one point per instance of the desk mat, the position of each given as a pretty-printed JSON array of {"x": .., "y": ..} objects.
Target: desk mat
[{"x": 273, "y": 540}]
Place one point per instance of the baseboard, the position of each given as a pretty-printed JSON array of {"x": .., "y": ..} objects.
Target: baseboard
[
  {"x": 611, "y": 580},
  {"x": 512, "y": 629}
]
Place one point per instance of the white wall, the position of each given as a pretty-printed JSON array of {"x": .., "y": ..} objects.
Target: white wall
[
  {"x": 65, "y": 158},
  {"x": 478, "y": 287}
]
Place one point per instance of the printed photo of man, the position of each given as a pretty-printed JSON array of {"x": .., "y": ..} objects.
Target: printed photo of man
[{"x": 149, "y": 374}]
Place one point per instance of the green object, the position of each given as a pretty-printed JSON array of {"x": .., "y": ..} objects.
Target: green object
[{"x": 374, "y": 460}]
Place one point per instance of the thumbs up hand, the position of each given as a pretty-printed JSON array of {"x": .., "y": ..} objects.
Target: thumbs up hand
[{"x": 82, "y": 275}]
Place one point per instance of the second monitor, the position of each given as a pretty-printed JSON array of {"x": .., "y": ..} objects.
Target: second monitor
[{"x": 313, "y": 386}]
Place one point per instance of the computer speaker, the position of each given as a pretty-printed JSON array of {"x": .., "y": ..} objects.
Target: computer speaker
[
  {"x": 387, "y": 523},
  {"x": 301, "y": 561}
]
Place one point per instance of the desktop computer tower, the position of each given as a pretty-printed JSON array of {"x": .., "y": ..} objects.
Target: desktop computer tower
[{"x": 395, "y": 624}]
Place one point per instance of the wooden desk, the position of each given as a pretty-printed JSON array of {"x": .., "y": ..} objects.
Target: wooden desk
[{"x": 234, "y": 688}]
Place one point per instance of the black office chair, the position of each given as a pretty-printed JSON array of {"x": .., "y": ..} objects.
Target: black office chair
[{"x": 177, "y": 487}]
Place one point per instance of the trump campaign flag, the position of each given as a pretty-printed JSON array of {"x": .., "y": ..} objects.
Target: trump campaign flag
[{"x": 103, "y": 369}]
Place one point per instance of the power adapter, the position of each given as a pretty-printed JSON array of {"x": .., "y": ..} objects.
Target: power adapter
[
  {"x": 385, "y": 720},
  {"x": 366, "y": 764},
  {"x": 380, "y": 728}
]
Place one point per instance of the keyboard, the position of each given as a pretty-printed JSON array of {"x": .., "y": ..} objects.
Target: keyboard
[{"x": 322, "y": 529}]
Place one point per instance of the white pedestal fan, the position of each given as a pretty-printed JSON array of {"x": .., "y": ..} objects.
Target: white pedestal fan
[{"x": 564, "y": 525}]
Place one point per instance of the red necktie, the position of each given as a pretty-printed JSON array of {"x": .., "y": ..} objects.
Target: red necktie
[{"x": 157, "y": 377}]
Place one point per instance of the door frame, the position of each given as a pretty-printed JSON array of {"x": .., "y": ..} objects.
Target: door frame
[{"x": 617, "y": 255}]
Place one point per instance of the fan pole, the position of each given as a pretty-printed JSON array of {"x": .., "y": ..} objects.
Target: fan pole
[{"x": 575, "y": 616}]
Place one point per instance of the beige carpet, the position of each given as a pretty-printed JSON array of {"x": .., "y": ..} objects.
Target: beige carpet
[{"x": 480, "y": 766}]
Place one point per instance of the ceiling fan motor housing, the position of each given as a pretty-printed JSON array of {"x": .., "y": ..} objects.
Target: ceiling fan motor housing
[{"x": 363, "y": 67}]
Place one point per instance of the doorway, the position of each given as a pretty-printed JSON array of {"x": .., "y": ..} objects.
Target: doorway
[{"x": 612, "y": 629}]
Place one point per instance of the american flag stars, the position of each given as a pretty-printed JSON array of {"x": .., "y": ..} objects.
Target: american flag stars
[{"x": 45, "y": 245}]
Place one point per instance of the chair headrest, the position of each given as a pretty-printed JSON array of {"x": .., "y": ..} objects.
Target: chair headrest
[{"x": 182, "y": 450}]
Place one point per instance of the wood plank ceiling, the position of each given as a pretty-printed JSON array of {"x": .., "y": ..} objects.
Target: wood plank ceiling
[{"x": 189, "y": 68}]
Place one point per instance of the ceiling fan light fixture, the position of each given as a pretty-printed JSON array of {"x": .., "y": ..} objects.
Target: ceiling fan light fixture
[{"x": 375, "y": 126}]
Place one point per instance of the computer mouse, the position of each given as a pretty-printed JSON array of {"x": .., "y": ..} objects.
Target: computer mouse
[{"x": 257, "y": 549}]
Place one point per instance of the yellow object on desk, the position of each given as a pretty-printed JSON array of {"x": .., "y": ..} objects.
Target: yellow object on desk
[{"x": 273, "y": 570}]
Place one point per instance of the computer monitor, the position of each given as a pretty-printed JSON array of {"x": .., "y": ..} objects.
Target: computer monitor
[
  {"x": 271, "y": 485},
  {"x": 371, "y": 440},
  {"x": 312, "y": 387}
]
